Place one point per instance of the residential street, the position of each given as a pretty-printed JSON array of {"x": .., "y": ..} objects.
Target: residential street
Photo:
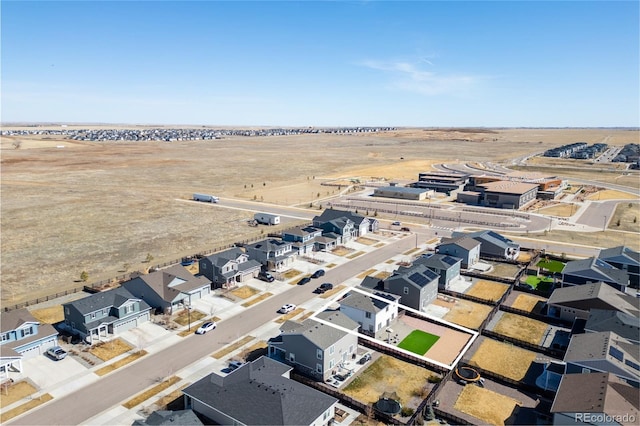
[{"x": 79, "y": 406}]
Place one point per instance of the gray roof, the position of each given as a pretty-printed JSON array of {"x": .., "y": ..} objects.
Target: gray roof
[
  {"x": 489, "y": 237},
  {"x": 595, "y": 346},
  {"x": 416, "y": 274},
  {"x": 258, "y": 394},
  {"x": 595, "y": 269},
  {"x": 320, "y": 334},
  {"x": 595, "y": 296},
  {"x": 115, "y": 297},
  {"x": 269, "y": 245},
  {"x": 170, "y": 282},
  {"x": 624, "y": 325},
  {"x": 301, "y": 231},
  {"x": 333, "y": 214},
  {"x": 165, "y": 417},
  {"x": 14, "y": 319},
  {"x": 226, "y": 256},
  {"x": 621, "y": 254},
  {"x": 438, "y": 261},
  {"x": 366, "y": 303},
  {"x": 463, "y": 241},
  {"x": 596, "y": 393}
]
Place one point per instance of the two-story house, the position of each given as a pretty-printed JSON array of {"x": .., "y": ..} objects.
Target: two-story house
[
  {"x": 303, "y": 238},
  {"x": 373, "y": 312},
  {"x": 625, "y": 259},
  {"x": 447, "y": 267},
  {"x": 108, "y": 312},
  {"x": 168, "y": 289},
  {"x": 22, "y": 337},
  {"x": 229, "y": 267},
  {"x": 260, "y": 392},
  {"x": 349, "y": 225},
  {"x": 493, "y": 245},
  {"x": 593, "y": 269},
  {"x": 273, "y": 254},
  {"x": 462, "y": 247},
  {"x": 316, "y": 348}
]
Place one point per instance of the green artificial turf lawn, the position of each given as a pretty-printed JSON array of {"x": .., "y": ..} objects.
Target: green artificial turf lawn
[
  {"x": 542, "y": 284},
  {"x": 551, "y": 265},
  {"x": 418, "y": 342}
]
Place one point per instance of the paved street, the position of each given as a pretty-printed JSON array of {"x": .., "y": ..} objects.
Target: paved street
[{"x": 83, "y": 404}]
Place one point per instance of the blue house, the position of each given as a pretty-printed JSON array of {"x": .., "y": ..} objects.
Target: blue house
[{"x": 22, "y": 337}]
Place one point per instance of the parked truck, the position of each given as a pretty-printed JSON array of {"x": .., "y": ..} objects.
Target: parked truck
[
  {"x": 266, "y": 218},
  {"x": 205, "y": 198}
]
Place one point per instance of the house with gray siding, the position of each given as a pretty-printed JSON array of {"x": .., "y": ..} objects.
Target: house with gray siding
[
  {"x": 314, "y": 348},
  {"x": 170, "y": 418},
  {"x": 569, "y": 303},
  {"x": 105, "y": 313},
  {"x": 273, "y": 254},
  {"x": 303, "y": 238},
  {"x": 349, "y": 225},
  {"x": 595, "y": 399},
  {"x": 593, "y": 269},
  {"x": 604, "y": 352},
  {"x": 416, "y": 285},
  {"x": 22, "y": 337},
  {"x": 168, "y": 289},
  {"x": 447, "y": 267},
  {"x": 461, "y": 247},
  {"x": 260, "y": 392},
  {"x": 227, "y": 268},
  {"x": 493, "y": 245},
  {"x": 625, "y": 259}
]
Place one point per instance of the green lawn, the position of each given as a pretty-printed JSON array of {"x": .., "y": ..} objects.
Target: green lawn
[
  {"x": 418, "y": 342},
  {"x": 540, "y": 283},
  {"x": 551, "y": 265}
]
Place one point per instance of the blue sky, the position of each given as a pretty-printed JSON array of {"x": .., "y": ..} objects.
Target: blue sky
[{"x": 367, "y": 63}]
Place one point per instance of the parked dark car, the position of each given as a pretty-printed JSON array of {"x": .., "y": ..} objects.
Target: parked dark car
[
  {"x": 317, "y": 274},
  {"x": 323, "y": 287},
  {"x": 365, "y": 358},
  {"x": 265, "y": 276},
  {"x": 405, "y": 229},
  {"x": 304, "y": 280}
]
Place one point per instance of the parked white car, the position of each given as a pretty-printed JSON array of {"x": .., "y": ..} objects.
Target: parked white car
[
  {"x": 287, "y": 308},
  {"x": 57, "y": 353},
  {"x": 207, "y": 326}
]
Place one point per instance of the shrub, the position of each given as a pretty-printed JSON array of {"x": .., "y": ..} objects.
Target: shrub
[
  {"x": 434, "y": 379},
  {"x": 407, "y": 412}
]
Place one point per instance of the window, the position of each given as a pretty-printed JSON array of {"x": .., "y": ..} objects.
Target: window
[
  {"x": 616, "y": 353},
  {"x": 406, "y": 290},
  {"x": 66, "y": 310},
  {"x": 319, "y": 353},
  {"x": 632, "y": 364},
  {"x": 331, "y": 364},
  {"x": 586, "y": 370},
  {"x": 93, "y": 315},
  {"x": 367, "y": 315},
  {"x": 319, "y": 368},
  {"x": 5, "y": 337},
  {"x": 292, "y": 357},
  {"x": 331, "y": 350},
  {"x": 204, "y": 265}
]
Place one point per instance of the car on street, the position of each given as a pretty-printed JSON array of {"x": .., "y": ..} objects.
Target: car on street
[
  {"x": 323, "y": 288},
  {"x": 317, "y": 274},
  {"x": 285, "y": 309},
  {"x": 365, "y": 358},
  {"x": 396, "y": 223},
  {"x": 304, "y": 280},
  {"x": 405, "y": 229},
  {"x": 207, "y": 326},
  {"x": 57, "y": 353}
]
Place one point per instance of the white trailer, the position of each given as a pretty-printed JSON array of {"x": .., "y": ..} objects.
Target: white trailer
[
  {"x": 267, "y": 218},
  {"x": 205, "y": 198}
]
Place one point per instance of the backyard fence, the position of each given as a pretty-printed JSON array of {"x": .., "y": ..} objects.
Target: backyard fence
[
  {"x": 468, "y": 297},
  {"x": 556, "y": 353},
  {"x": 400, "y": 355}
]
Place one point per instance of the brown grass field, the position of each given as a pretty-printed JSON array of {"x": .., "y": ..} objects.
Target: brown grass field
[
  {"x": 610, "y": 194},
  {"x": 245, "y": 292},
  {"x": 51, "y": 315},
  {"x": 232, "y": 347},
  {"x": 183, "y": 317},
  {"x": 7, "y": 415},
  {"x": 16, "y": 392},
  {"x": 521, "y": 328},
  {"x": 143, "y": 396},
  {"x": 95, "y": 206},
  {"x": 502, "y": 358},
  {"x": 488, "y": 406},
  {"x": 526, "y": 302},
  {"x": 488, "y": 290},
  {"x": 464, "y": 312},
  {"x": 120, "y": 363},
  {"x": 111, "y": 349},
  {"x": 560, "y": 210},
  {"x": 387, "y": 374}
]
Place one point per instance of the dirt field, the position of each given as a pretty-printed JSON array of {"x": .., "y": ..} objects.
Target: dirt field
[
  {"x": 464, "y": 312},
  {"x": 503, "y": 358},
  {"x": 521, "y": 328},
  {"x": 560, "y": 210},
  {"x": 111, "y": 349},
  {"x": 526, "y": 302},
  {"x": 488, "y": 406},
  {"x": 488, "y": 290},
  {"x": 95, "y": 206},
  {"x": 609, "y": 194}
]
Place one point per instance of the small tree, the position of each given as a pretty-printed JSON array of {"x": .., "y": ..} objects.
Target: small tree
[
  {"x": 618, "y": 222},
  {"x": 149, "y": 258},
  {"x": 84, "y": 276},
  {"x": 16, "y": 144}
]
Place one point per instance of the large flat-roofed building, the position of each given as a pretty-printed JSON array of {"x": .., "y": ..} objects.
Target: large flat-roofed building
[
  {"x": 500, "y": 194},
  {"x": 403, "y": 192},
  {"x": 441, "y": 181}
]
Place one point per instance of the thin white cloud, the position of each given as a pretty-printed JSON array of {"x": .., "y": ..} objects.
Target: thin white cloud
[{"x": 409, "y": 77}]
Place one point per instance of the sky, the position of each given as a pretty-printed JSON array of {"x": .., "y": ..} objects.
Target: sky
[{"x": 322, "y": 63}]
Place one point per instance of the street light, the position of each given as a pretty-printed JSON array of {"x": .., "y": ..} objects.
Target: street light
[
  {"x": 604, "y": 225},
  {"x": 188, "y": 309}
]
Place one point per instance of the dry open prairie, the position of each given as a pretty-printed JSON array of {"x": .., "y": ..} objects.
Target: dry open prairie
[{"x": 95, "y": 206}]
